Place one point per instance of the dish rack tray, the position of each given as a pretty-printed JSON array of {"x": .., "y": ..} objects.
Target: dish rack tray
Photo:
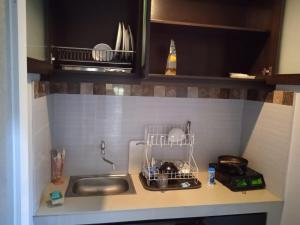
[
  {"x": 158, "y": 137},
  {"x": 88, "y": 56}
]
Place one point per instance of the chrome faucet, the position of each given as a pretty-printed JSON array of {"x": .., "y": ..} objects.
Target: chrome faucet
[{"x": 102, "y": 148}]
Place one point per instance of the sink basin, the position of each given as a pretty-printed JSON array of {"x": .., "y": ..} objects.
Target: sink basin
[{"x": 99, "y": 185}]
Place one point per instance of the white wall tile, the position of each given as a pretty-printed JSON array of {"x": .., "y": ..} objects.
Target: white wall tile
[
  {"x": 81, "y": 122},
  {"x": 291, "y": 214},
  {"x": 260, "y": 132},
  {"x": 266, "y": 141},
  {"x": 41, "y": 146}
]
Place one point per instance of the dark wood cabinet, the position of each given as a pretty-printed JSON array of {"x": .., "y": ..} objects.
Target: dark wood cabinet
[
  {"x": 75, "y": 27},
  {"x": 213, "y": 37},
  {"x": 245, "y": 219},
  {"x": 83, "y": 24}
]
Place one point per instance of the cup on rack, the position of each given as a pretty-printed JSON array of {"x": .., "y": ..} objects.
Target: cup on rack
[{"x": 162, "y": 181}]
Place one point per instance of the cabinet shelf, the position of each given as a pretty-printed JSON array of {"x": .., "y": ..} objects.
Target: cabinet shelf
[
  {"x": 213, "y": 80},
  {"x": 85, "y": 76},
  {"x": 39, "y": 66},
  {"x": 288, "y": 79},
  {"x": 207, "y": 26}
]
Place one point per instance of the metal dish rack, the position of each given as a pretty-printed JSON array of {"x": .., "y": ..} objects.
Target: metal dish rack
[
  {"x": 112, "y": 60},
  {"x": 157, "y": 136}
]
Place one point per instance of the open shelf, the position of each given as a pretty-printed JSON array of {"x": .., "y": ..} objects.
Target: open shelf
[
  {"x": 205, "y": 52},
  {"x": 208, "y": 26},
  {"x": 84, "y": 25},
  {"x": 214, "y": 38}
]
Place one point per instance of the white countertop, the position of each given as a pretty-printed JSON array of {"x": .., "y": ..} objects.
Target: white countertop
[{"x": 147, "y": 205}]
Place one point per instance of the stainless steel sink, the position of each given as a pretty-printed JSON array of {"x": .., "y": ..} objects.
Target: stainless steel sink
[{"x": 99, "y": 185}]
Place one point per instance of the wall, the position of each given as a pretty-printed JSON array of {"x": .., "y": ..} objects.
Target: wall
[
  {"x": 6, "y": 187},
  {"x": 36, "y": 35},
  {"x": 41, "y": 146},
  {"x": 83, "y": 114},
  {"x": 80, "y": 122},
  {"x": 289, "y": 64},
  {"x": 86, "y": 113},
  {"x": 290, "y": 47},
  {"x": 292, "y": 201},
  {"x": 266, "y": 141}
]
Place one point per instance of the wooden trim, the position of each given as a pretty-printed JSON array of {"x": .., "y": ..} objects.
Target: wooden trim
[
  {"x": 77, "y": 76},
  {"x": 289, "y": 79},
  {"x": 38, "y": 66},
  {"x": 209, "y": 26},
  {"x": 147, "y": 39},
  {"x": 83, "y": 76},
  {"x": 276, "y": 34},
  {"x": 205, "y": 80}
]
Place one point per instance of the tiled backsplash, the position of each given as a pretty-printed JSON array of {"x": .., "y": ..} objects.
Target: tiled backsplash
[
  {"x": 186, "y": 91},
  {"x": 83, "y": 114},
  {"x": 80, "y": 122}
]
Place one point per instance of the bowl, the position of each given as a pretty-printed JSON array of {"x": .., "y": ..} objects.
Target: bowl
[{"x": 168, "y": 167}]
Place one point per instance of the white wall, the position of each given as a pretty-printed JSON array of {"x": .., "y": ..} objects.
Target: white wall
[
  {"x": 36, "y": 34},
  {"x": 41, "y": 146},
  {"x": 289, "y": 64},
  {"x": 81, "y": 121},
  {"x": 290, "y": 45},
  {"x": 291, "y": 214},
  {"x": 266, "y": 141},
  {"x": 6, "y": 180}
]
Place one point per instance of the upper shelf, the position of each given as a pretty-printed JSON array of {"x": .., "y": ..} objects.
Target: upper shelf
[{"x": 208, "y": 26}]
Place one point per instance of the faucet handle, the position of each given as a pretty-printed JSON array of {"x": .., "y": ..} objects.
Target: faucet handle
[{"x": 102, "y": 147}]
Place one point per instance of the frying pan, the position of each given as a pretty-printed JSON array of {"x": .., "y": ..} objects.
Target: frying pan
[{"x": 232, "y": 164}]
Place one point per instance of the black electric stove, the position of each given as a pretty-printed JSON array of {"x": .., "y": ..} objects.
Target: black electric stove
[{"x": 250, "y": 180}]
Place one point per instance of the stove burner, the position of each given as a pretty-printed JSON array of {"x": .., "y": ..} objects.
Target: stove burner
[{"x": 250, "y": 180}]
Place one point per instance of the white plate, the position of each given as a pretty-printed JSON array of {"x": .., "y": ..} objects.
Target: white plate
[
  {"x": 119, "y": 38},
  {"x": 124, "y": 32},
  {"x": 127, "y": 44},
  {"x": 176, "y": 135},
  {"x": 241, "y": 76},
  {"x": 102, "y": 53},
  {"x": 131, "y": 39}
]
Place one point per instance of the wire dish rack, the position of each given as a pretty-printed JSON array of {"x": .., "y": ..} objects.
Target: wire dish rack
[
  {"x": 158, "y": 135},
  {"x": 161, "y": 145},
  {"x": 72, "y": 57}
]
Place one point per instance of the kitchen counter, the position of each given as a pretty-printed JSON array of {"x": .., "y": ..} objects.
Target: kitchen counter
[{"x": 147, "y": 205}]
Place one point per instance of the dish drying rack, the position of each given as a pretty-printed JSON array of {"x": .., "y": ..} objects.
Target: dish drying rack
[
  {"x": 88, "y": 59},
  {"x": 157, "y": 136}
]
